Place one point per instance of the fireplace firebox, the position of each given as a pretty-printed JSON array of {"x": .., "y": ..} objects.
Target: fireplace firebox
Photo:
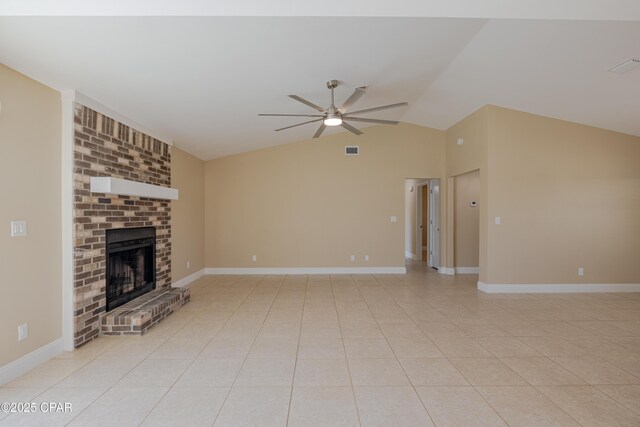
[{"x": 131, "y": 266}]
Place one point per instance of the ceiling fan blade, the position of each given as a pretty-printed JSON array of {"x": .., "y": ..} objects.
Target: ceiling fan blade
[
  {"x": 291, "y": 115},
  {"x": 353, "y": 98},
  {"x": 383, "y": 107},
  {"x": 384, "y": 122},
  {"x": 305, "y": 102},
  {"x": 319, "y": 131},
  {"x": 299, "y": 124},
  {"x": 350, "y": 128}
]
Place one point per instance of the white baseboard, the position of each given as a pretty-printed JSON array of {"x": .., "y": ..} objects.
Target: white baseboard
[
  {"x": 557, "y": 288},
  {"x": 408, "y": 254},
  {"x": 467, "y": 270},
  {"x": 447, "y": 271},
  {"x": 186, "y": 280},
  {"x": 20, "y": 366},
  {"x": 307, "y": 270}
]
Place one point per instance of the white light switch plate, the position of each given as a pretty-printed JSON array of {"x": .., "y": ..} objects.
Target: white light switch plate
[
  {"x": 18, "y": 228},
  {"x": 497, "y": 220},
  {"x": 23, "y": 332},
  {"x": 394, "y": 218}
]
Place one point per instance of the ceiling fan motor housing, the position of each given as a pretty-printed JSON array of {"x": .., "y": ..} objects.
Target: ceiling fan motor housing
[{"x": 332, "y": 84}]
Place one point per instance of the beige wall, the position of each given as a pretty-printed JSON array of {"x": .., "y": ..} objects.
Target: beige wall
[
  {"x": 568, "y": 196},
  {"x": 30, "y": 178},
  {"x": 308, "y": 205},
  {"x": 187, "y": 214},
  {"x": 466, "y": 227}
]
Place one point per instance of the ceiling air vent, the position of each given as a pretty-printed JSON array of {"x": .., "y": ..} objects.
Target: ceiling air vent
[
  {"x": 625, "y": 66},
  {"x": 353, "y": 150}
]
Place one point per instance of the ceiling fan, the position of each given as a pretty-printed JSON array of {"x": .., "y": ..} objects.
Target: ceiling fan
[{"x": 338, "y": 116}]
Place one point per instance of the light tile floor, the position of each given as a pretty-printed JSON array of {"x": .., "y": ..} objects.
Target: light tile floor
[{"x": 373, "y": 350}]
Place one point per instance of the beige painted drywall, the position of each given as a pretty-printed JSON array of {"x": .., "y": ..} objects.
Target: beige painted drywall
[
  {"x": 187, "y": 214},
  {"x": 466, "y": 227},
  {"x": 308, "y": 205},
  {"x": 30, "y": 176},
  {"x": 568, "y": 196},
  {"x": 470, "y": 156}
]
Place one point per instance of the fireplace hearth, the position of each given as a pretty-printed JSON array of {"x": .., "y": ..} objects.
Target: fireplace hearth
[{"x": 131, "y": 266}]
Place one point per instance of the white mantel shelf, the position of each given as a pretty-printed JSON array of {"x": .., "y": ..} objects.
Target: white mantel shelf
[{"x": 123, "y": 187}]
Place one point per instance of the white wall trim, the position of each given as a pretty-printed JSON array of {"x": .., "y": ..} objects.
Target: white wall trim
[
  {"x": 20, "y": 366},
  {"x": 307, "y": 270},
  {"x": 557, "y": 288},
  {"x": 96, "y": 106},
  {"x": 467, "y": 270},
  {"x": 410, "y": 255},
  {"x": 447, "y": 271},
  {"x": 186, "y": 280},
  {"x": 66, "y": 165}
]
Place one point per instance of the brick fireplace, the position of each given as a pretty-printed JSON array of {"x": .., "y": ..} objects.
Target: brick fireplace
[{"x": 105, "y": 147}]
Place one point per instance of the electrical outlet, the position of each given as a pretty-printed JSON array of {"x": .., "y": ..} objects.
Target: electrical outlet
[
  {"x": 580, "y": 271},
  {"x": 23, "y": 332},
  {"x": 353, "y": 257},
  {"x": 188, "y": 265},
  {"x": 497, "y": 220},
  {"x": 254, "y": 258},
  {"x": 366, "y": 258},
  {"x": 18, "y": 228},
  {"x": 394, "y": 218}
]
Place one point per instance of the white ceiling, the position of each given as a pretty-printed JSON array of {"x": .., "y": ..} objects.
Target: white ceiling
[
  {"x": 499, "y": 9},
  {"x": 552, "y": 68},
  {"x": 203, "y": 80}
]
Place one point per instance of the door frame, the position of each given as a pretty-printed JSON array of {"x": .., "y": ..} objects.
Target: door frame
[
  {"x": 419, "y": 224},
  {"x": 434, "y": 223}
]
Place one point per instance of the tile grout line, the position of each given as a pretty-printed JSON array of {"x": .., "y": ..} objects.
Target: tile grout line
[
  {"x": 353, "y": 387},
  {"x": 295, "y": 363},
  {"x": 613, "y": 398}
]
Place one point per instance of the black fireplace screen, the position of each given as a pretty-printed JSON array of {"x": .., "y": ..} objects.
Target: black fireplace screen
[{"x": 131, "y": 267}]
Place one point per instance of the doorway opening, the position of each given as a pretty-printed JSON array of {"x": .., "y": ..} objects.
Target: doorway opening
[
  {"x": 466, "y": 223},
  {"x": 422, "y": 220}
]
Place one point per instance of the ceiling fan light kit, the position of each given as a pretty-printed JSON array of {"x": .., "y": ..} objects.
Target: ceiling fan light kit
[
  {"x": 334, "y": 116},
  {"x": 333, "y": 120}
]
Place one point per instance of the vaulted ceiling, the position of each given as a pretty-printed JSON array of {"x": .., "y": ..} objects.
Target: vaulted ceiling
[{"x": 203, "y": 80}]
